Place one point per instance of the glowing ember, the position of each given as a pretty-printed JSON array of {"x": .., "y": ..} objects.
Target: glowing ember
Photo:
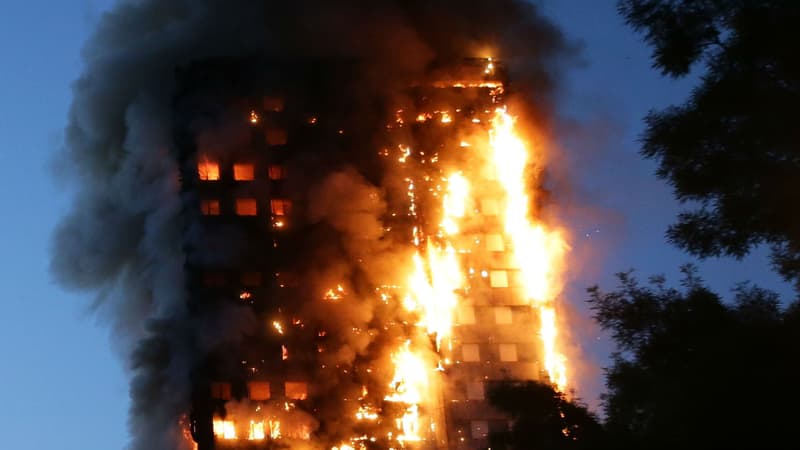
[
  {"x": 254, "y": 118},
  {"x": 406, "y": 152},
  {"x": 334, "y": 294},
  {"x": 366, "y": 412},
  {"x": 489, "y": 67}
]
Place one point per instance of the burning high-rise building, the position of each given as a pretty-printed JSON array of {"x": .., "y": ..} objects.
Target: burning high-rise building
[
  {"x": 331, "y": 244},
  {"x": 386, "y": 356}
]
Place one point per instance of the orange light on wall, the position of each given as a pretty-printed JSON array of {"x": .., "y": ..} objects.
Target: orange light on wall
[
  {"x": 258, "y": 390},
  {"x": 276, "y": 137},
  {"x": 246, "y": 207},
  {"x": 273, "y": 104},
  {"x": 243, "y": 172},
  {"x": 277, "y": 172},
  {"x": 221, "y": 391},
  {"x": 209, "y": 207},
  {"x": 208, "y": 170},
  {"x": 296, "y": 390},
  {"x": 280, "y": 207}
]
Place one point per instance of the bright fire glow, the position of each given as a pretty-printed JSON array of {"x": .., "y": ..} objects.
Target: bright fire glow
[
  {"x": 536, "y": 250},
  {"x": 455, "y": 202},
  {"x": 334, "y": 294},
  {"x": 257, "y": 432},
  {"x": 408, "y": 387},
  {"x": 224, "y": 429},
  {"x": 433, "y": 286}
]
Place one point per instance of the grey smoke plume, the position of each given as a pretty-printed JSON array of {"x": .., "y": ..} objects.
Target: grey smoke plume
[{"x": 123, "y": 239}]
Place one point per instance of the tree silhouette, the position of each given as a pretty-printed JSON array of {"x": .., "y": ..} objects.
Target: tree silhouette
[
  {"x": 543, "y": 418},
  {"x": 732, "y": 150},
  {"x": 693, "y": 372}
]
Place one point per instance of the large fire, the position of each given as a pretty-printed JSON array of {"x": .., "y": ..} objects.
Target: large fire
[
  {"x": 482, "y": 208},
  {"x": 436, "y": 271},
  {"x": 537, "y": 251}
]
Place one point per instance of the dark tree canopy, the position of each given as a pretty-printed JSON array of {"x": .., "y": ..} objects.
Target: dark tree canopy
[
  {"x": 543, "y": 419},
  {"x": 732, "y": 150},
  {"x": 692, "y": 372}
]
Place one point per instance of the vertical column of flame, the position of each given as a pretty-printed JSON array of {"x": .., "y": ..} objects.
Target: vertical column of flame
[
  {"x": 431, "y": 291},
  {"x": 437, "y": 276},
  {"x": 408, "y": 386},
  {"x": 536, "y": 251}
]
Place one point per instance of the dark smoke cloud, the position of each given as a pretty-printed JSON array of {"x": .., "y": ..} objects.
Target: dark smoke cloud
[{"x": 124, "y": 237}]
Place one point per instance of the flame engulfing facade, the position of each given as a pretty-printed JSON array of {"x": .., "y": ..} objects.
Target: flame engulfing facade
[
  {"x": 380, "y": 308},
  {"x": 327, "y": 227}
]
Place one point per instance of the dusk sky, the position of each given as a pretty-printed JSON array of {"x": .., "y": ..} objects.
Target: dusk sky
[{"x": 65, "y": 386}]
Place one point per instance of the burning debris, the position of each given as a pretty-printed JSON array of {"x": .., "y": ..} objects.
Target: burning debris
[{"x": 324, "y": 232}]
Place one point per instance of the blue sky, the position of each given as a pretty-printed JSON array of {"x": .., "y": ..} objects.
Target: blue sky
[{"x": 63, "y": 385}]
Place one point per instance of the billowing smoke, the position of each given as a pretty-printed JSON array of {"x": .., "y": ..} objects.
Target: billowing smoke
[{"x": 128, "y": 238}]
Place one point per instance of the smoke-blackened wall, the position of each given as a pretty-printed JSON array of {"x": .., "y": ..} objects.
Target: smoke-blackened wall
[{"x": 127, "y": 238}]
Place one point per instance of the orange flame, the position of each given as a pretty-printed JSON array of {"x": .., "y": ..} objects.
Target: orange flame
[
  {"x": 536, "y": 250},
  {"x": 408, "y": 386}
]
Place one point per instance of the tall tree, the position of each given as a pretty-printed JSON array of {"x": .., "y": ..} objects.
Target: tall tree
[
  {"x": 692, "y": 372},
  {"x": 732, "y": 150}
]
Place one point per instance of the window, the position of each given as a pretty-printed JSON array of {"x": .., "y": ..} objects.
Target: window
[
  {"x": 208, "y": 170},
  {"x": 251, "y": 279},
  {"x": 243, "y": 172},
  {"x": 274, "y": 104},
  {"x": 209, "y": 207},
  {"x": 475, "y": 391},
  {"x": 508, "y": 352},
  {"x": 280, "y": 207},
  {"x": 246, "y": 207},
  {"x": 276, "y": 136},
  {"x": 479, "y": 429},
  {"x": 221, "y": 391},
  {"x": 490, "y": 207},
  {"x": 277, "y": 172},
  {"x": 502, "y": 315},
  {"x": 498, "y": 278},
  {"x": 258, "y": 390},
  {"x": 466, "y": 315},
  {"x": 470, "y": 353},
  {"x": 494, "y": 243},
  {"x": 296, "y": 390}
]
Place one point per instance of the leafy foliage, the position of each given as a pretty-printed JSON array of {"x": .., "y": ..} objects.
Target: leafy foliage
[
  {"x": 543, "y": 418},
  {"x": 694, "y": 372},
  {"x": 732, "y": 150}
]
